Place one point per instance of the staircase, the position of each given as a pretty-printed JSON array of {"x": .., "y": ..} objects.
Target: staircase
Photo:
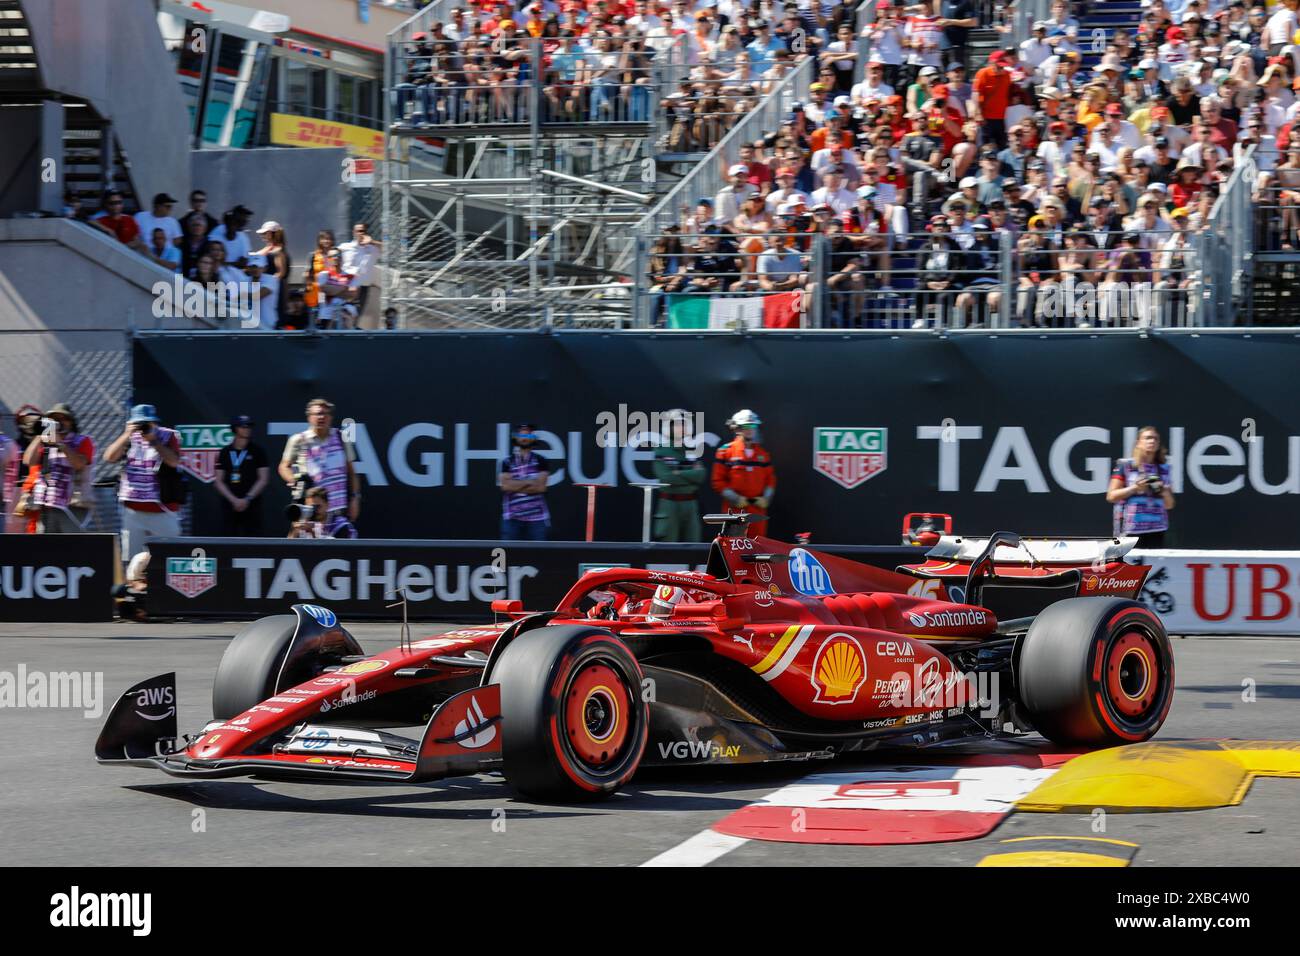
[
  {"x": 18, "y": 68},
  {"x": 92, "y": 160},
  {"x": 1100, "y": 21}
]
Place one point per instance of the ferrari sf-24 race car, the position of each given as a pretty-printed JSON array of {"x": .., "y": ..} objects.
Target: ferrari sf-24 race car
[{"x": 775, "y": 652}]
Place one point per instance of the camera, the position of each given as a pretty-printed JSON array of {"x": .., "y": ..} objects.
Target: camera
[
  {"x": 1153, "y": 484},
  {"x": 299, "y": 509}
]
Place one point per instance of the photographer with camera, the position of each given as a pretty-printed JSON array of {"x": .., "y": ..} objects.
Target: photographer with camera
[
  {"x": 310, "y": 518},
  {"x": 152, "y": 489},
  {"x": 242, "y": 476},
  {"x": 321, "y": 457},
  {"x": 61, "y": 491},
  {"x": 1139, "y": 490}
]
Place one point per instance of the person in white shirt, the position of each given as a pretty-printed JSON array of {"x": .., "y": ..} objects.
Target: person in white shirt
[
  {"x": 786, "y": 193},
  {"x": 267, "y": 288},
  {"x": 1281, "y": 27},
  {"x": 1112, "y": 136},
  {"x": 160, "y": 218},
  {"x": 874, "y": 86},
  {"x": 360, "y": 259},
  {"x": 161, "y": 251},
  {"x": 1036, "y": 49},
  {"x": 1203, "y": 152},
  {"x": 730, "y": 198},
  {"x": 833, "y": 193},
  {"x": 232, "y": 236},
  {"x": 836, "y": 156}
]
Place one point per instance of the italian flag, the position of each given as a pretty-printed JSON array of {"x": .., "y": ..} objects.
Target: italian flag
[{"x": 779, "y": 310}]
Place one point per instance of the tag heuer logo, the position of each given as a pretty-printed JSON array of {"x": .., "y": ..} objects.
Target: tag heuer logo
[
  {"x": 191, "y": 576},
  {"x": 849, "y": 456},
  {"x": 200, "y": 445}
]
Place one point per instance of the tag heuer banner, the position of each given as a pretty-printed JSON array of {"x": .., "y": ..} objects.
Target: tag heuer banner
[
  {"x": 237, "y": 578},
  {"x": 58, "y": 577},
  {"x": 200, "y": 445},
  {"x": 849, "y": 456},
  {"x": 1002, "y": 431}
]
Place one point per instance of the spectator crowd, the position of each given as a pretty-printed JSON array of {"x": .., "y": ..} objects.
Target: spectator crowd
[
  {"x": 247, "y": 279},
  {"x": 936, "y": 187}
]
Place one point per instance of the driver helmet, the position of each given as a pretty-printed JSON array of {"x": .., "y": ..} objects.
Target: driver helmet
[{"x": 664, "y": 602}]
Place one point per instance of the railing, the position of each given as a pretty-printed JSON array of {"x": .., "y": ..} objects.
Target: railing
[
  {"x": 818, "y": 276},
  {"x": 1228, "y": 239},
  {"x": 520, "y": 82},
  {"x": 711, "y": 174}
]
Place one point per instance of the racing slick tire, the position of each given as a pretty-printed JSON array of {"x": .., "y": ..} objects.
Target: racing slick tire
[
  {"x": 573, "y": 722},
  {"x": 1096, "y": 671},
  {"x": 251, "y": 664}
]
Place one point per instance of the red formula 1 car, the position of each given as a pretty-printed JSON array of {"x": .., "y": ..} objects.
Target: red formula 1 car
[{"x": 778, "y": 652}]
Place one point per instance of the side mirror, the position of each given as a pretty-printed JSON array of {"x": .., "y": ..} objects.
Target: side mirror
[{"x": 507, "y": 607}]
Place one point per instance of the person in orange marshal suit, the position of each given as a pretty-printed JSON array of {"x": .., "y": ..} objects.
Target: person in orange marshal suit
[{"x": 743, "y": 473}]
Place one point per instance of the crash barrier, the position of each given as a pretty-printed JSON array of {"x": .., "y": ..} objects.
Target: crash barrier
[
  {"x": 855, "y": 271},
  {"x": 58, "y": 577},
  {"x": 440, "y": 580},
  {"x": 1194, "y": 592},
  {"x": 1011, "y": 431},
  {"x": 1223, "y": 592}
]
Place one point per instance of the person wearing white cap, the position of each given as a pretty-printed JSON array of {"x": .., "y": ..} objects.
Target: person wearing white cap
[
  {"x": 1036, "y": 49},
  {"x": 278, "y": 262},
  {"x": 731, "y": 197}
]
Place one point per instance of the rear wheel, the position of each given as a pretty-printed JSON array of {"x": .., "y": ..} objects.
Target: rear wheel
[
  {"x": 573, "y": 723},
  {"x": 1096, "y": 671}
]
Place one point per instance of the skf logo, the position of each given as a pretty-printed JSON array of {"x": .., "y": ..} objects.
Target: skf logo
[{"x": 839, "y": 670}]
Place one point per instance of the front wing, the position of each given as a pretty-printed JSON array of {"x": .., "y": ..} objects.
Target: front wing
[{"x": 463, "y": 736}]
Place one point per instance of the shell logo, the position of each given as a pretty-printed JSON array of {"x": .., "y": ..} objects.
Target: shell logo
[
  {"x": 839, "y": 670},
  {"x": 1092, "y": 582},
  {"x": 362, "y": 667}
]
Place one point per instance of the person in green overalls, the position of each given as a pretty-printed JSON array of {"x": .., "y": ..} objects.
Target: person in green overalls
[{"x": 678, "y": 465}]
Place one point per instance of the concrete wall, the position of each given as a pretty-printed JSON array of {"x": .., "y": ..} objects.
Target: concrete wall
[
  {"x": 337, "y": 18},
  {"x": 302, "y": 189},
  {"x": 69, "y": 296},
  {"x": 112, "y": 55}
]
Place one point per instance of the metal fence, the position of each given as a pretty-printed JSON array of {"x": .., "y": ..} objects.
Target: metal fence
[
  {"x": 42, "y": 368},
  {"x": 511, "y": 82},
  {"x": 1228, "y": 237},
  {"x": 825, "y": 274},
  {"x": 711, "y": 174}
]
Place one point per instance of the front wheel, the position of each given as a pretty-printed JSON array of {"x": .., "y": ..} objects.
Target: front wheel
[
  {"x": 573, "y": 723},
  {"x": 1096, "y": 671}
]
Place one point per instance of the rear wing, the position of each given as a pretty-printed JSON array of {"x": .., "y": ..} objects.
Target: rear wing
[{"x": 1053, "y": 551}]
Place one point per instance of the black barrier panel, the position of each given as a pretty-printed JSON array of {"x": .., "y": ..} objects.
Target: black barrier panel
[
  {"x": 443, "y": 580},
  {"x": 51, "y": 578},
  {"x": 1009, "y": 431}
]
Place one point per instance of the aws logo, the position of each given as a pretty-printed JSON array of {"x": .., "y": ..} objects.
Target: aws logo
[{"x": 150, "y": 697}]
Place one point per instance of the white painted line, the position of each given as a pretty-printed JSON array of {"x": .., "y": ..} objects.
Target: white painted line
[{"x": 700, "y": 850}]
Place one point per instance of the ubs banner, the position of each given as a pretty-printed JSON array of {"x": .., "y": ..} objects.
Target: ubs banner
[
  {"x": 1005, "y": 432},
  {"x": 57, "y": 577},
  {"x": 248, "y": 577}
]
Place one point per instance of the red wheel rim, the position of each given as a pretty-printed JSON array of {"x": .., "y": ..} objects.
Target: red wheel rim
[
  {"x": 1132, "y": 674},
  {"x": 596, "y": 709}
]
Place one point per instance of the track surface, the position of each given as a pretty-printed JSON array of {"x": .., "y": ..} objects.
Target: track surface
[{"x": 59, "y": 807}]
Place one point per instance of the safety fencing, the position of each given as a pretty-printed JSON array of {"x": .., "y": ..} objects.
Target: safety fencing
[
  {"x": 438, "y": 85},
  {"x": 844, "y": 271}
]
